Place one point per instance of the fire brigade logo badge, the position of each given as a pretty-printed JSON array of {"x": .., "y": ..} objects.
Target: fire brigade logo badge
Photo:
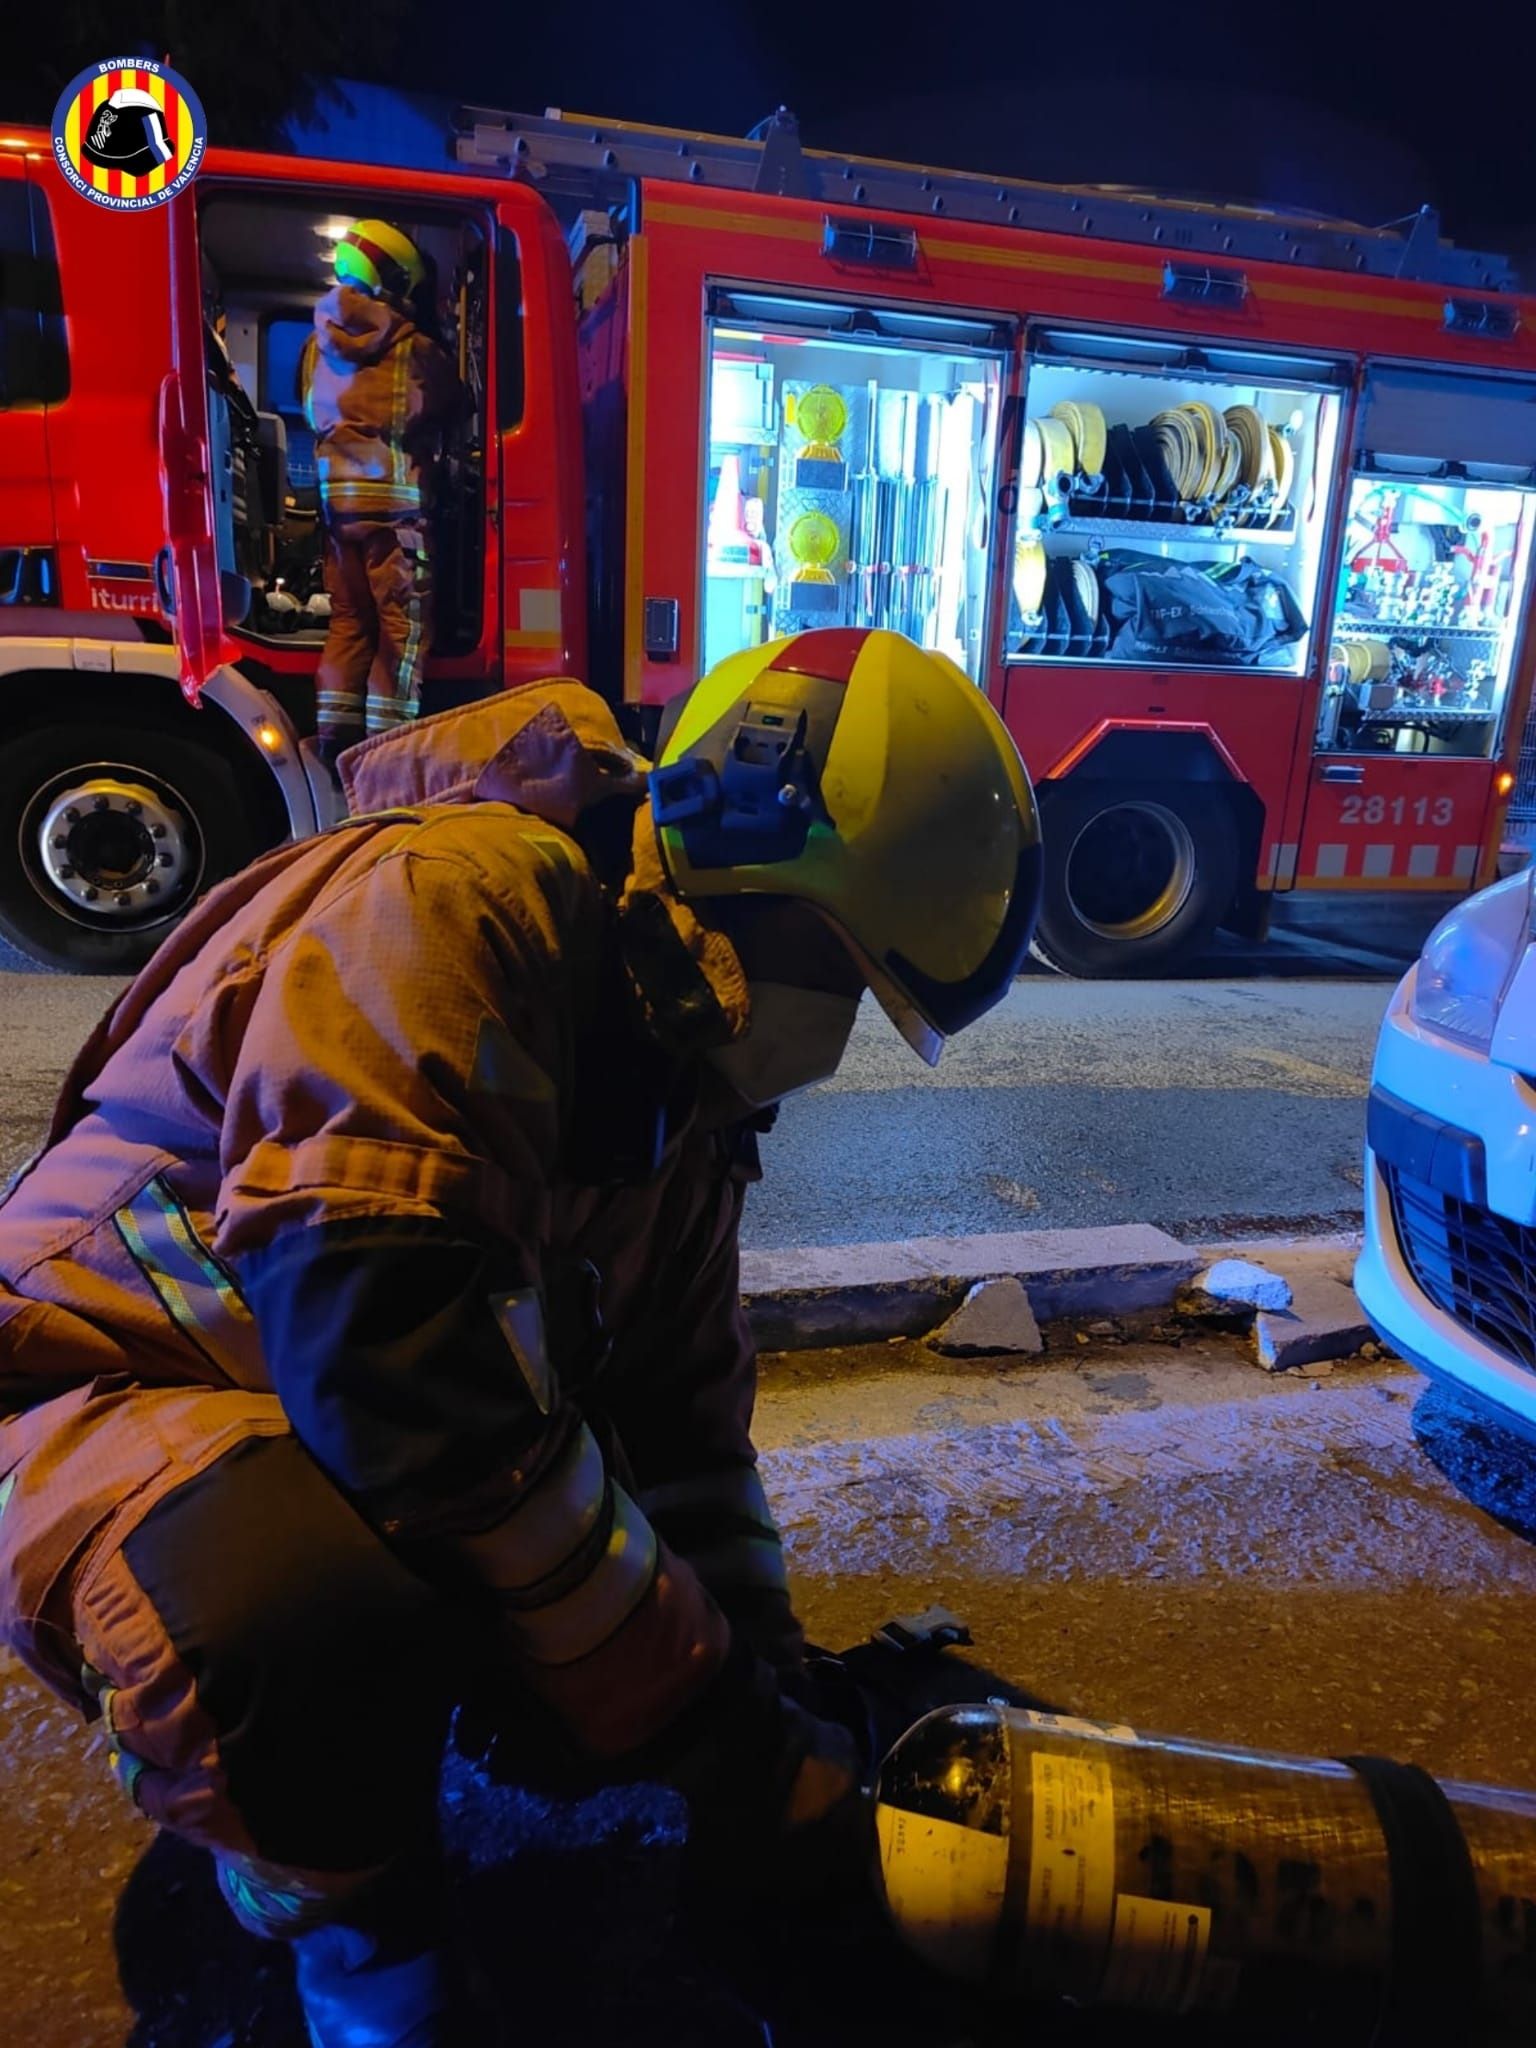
[{"x": 129, "y": 135}]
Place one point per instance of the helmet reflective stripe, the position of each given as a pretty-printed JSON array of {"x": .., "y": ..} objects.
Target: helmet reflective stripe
[
  {"x": 154, "y": 130},
  {"x": 860, "y": 774},
  {"x": 378, "y": 257}
]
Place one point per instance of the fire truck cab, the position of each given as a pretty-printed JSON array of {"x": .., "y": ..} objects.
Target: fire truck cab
[{"x": 156, "y": 464}]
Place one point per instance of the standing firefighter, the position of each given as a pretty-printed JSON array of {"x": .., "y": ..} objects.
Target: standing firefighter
[
  {"x": 370, "y": 1321},
  {"x": 376, "y": 392}
]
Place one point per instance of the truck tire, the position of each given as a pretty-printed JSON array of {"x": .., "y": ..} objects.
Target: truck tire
[
  {"x": 108, "y": 833},
  {"x": 1137, "y": 876}
]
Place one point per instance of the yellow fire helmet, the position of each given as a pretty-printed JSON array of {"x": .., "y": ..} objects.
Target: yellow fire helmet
[
  {"x": 378, "y": 257},
  {"x": 853, "y": 771}
]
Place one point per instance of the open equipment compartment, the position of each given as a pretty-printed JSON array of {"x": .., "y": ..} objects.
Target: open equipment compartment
[
  {"x": 1435, "y": 562},
  {"x": 850, "y": 459},
  {"x": 1173, "y": 501}
]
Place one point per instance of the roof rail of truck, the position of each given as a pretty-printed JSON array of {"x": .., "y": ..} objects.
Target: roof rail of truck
[{"x": 596, "y": 163}]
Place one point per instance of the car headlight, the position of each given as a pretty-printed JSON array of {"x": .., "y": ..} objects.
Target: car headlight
[{"x": 1469, "y": 961}]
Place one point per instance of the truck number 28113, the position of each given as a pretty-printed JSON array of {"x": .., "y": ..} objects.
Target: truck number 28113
[{"x": 1376, "y": 810}]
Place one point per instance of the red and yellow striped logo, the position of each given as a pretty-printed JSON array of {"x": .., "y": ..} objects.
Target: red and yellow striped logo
[{"x": 93, "y": 107}]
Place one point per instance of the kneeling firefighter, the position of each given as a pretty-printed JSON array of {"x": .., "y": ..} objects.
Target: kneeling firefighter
[{"x": 369, "y": 1324}]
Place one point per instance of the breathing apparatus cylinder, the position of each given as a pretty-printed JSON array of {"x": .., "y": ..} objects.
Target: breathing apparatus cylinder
[{"x": 1265, "y": 1898}]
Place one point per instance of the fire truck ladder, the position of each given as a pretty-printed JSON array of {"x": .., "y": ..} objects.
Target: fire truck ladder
[{"x": 579, "y": 163}]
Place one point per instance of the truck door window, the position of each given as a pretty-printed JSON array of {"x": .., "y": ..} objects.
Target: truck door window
[
  {"x": 1435, "y": 563},
  {"x": 34, "y": 359},
  {"x": 1172, "y": 502},
  {"x": 849, "y": 477},
  {"x": 510, "y": 375},
  {"x": 267, "y": 263}
]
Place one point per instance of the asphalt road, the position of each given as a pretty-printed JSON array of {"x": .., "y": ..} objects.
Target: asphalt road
[
  {"x": 1209, "y": 1107},
  {"x": 1229, "y": 1103},
  {"x": 1326, "y": 1564},
  {"x": 1212, "y": 1107},
  {"x": 44, "y": 1020},
  {"x": 1206, "y": 1107}
]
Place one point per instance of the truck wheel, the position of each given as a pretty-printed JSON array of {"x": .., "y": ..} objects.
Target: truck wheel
[
  {"x": 107, "y": 835},
  {"x": 1137, "y": 878}
]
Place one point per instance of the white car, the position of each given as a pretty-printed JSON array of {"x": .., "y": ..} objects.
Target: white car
[{"x": 1448, "y": 1273}]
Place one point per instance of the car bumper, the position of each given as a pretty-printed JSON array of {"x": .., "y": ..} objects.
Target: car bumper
[
  {"x": 1422, "y": 1332},
  {"x": 1482, "y": 1155}
]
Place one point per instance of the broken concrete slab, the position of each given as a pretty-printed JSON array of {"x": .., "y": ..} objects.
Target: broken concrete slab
[
  {"x": 1239, "y": 1283},
  {"x": 1325, "y": 1320},
  {"x": 848, "y": 1294},
  {"x": 995, "y": 1319}
]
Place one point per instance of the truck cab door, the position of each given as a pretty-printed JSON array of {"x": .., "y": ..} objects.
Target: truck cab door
[
  {"x": 198, "y": 586},
  {"x": 538, "y": 419}
]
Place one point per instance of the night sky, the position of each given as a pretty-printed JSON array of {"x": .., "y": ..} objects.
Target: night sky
[
  {"x": 1345, "y": 110},
  {"x": 1365, "y": 111}
]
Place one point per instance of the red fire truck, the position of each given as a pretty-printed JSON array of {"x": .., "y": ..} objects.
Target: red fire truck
[{"x": 1229, "y": 511}]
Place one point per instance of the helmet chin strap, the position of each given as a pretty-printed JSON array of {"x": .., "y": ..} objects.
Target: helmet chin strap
[{"x": 795, "y": 1038}]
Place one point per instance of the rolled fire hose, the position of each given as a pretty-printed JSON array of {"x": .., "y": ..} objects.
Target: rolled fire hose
[
  {"x": 1367, "y": 661},
  {"x": 1031, "y": 456},
  {"x": 1049, "y": 1860},
  {"x": 1086, "y": 584},
  {"x": 1197, "y": 450},
  {"x": 1029, "y": 575},
  {"x": 1090, "y": 436},
  {"x": 1285, "y": 472},
  {"x": 1059, "y": 455},
  {"x": 1247, "y": 427}
]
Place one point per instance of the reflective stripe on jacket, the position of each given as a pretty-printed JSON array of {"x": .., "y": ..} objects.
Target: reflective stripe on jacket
[{"x": 376, "y": 390}]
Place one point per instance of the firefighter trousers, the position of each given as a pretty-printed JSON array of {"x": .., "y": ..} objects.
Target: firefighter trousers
[
  {"x": 276, "y": 1683},
  {"x": 379, "y": 582}
]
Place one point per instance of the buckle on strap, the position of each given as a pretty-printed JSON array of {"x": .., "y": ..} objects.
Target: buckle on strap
[{"x": 756, "y": 806}]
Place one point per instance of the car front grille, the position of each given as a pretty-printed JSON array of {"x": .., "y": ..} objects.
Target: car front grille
[{"x": 1478, "y": 1267}]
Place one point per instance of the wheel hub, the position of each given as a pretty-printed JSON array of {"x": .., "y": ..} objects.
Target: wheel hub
[
  {"x": 119, "y": 851},
  {"x": 1130, "y": 870}
]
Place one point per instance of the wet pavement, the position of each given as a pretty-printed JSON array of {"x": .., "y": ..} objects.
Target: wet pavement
[
  {"x": 44, "y": 1020},
  {"x": 1227, "y": 1103},
  {"x": 1210, "y": 1107},
  {"x": 1326, "y": 1562}
]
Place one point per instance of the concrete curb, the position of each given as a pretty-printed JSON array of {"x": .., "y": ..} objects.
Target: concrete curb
[{"x": 856, "y": 1294}]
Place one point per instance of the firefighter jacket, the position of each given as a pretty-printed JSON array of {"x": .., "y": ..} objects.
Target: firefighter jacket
[
  {"x": 402, "y": 1124},
  {"x": 376, "y": 392}
]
